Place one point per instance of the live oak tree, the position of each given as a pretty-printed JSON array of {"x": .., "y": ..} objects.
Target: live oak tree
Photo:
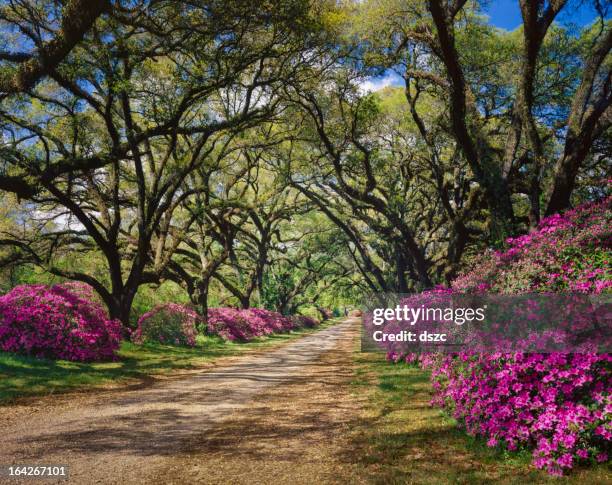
[
  {"x": 114, "y": 134},
  {"x": 364, "y": 165},
  {"x": 506, "y": 125},
  {"x": 219, "y": 208},
  {"x": 590, "y": 116},
  {"x": 272, "y": 206},
  {"x": 45, "y": 32}
]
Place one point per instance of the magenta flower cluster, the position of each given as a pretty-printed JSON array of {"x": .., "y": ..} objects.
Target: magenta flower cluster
[
  {"x": 169, "y": 323},
  {"x": 568, "y": 252},
  {"x": 246, "y": 324},
  {"x": 558, "y": 405},
  {"x": 302, "y": 321},
  {"x": 176, "y": 324},
  {"x": 57, "y": 322}
]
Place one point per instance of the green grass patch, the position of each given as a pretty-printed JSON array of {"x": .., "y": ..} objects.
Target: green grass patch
[
  {"x": 405, "y": 440},
  {"x": 27, "y": 376}
]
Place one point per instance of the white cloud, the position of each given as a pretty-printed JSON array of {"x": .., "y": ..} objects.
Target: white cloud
[{"x": 376, "y": 83}]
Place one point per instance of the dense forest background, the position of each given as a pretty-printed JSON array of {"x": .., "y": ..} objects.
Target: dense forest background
[{"x": 233, "y": 152}]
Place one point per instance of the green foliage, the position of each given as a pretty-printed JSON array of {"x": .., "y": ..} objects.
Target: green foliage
[{"x": 165, "y": 158}]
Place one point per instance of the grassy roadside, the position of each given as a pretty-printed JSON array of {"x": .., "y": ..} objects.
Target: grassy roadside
[
  {"x": 404, "y": 440},
  {"x": 27, "y": 376}
]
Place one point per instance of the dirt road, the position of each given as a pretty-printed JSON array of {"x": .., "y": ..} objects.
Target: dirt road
[{"x": 275, "y": 417}]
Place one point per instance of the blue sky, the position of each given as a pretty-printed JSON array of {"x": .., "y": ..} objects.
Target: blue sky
[{"x": 506, "y": 13}]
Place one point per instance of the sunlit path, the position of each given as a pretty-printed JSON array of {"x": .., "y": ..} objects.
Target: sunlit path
[{"x": 135, "y": 435}]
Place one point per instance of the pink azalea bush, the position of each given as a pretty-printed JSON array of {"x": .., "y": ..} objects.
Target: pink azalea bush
[
  {"x": 303, "y": 321},
  {"x": 246, "y": 324},
  {"x": 229, "y": 324},
  {"x": 82, "y": 290},
  {"x": 567, "y": 252},
  {"x": 57, "y": 322},
  {"x": 169, "y": 323},
  {"x": 558, "y": 405}
]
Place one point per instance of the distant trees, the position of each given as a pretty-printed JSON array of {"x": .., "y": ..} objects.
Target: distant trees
[
  {"x": 311, "y": 263},
  {"x": 346, "y": 166}
]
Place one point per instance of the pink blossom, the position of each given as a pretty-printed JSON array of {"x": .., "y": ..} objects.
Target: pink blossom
[
  {"x": 169, "y": 322},
  {"x": 57, "y": 322},
  {"x": 557, "y": 404}
]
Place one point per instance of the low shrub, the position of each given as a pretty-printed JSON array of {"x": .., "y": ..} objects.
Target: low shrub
[
  {"x": 557, "y": 405},
  {"x": 229, "y": 324},
  {"x": 169, "y": 323},
  {"x": 265, "y": 322},
  {"x": 246, "y": 324},
  {"x": 303, "y": 321},
  {"x": 57, "y": 322}
]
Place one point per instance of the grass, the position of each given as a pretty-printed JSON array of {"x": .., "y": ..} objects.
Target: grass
[
  {"x": 405, "y": 440},
  {"x": 27, "y": 376}
]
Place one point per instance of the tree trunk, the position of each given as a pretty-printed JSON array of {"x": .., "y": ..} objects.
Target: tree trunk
[
  {"x": 400, "y": 267},
  {"x": 245, "y": 302},
  {"x": 566, "y": 171},
  {"x": 282, "y": 307},
  {"x": 261, "y": 265},
  {"x": 120, "y": 305},
  {"x": 456, "y": 248},
  {"x": 202, "y": 300},
  {"x": 125, "y": 309}
]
